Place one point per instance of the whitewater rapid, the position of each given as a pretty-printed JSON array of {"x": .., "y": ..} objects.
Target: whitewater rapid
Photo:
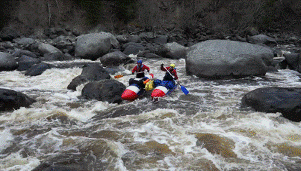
[{"x": 141, "y": 135}]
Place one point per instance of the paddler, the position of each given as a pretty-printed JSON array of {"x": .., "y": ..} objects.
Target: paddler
[
  {"x": 171, "y": 73},
  {"x": 139, "y": 69}
]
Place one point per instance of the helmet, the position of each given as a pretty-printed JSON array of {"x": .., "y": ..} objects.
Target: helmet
[
  {"x": 139, "y": 62},
  {"x": 172, "y": 65}
]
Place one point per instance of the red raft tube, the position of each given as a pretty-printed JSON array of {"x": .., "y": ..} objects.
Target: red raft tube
[
  {"x": 161, "y": 91},
  {"x": 133, "y": 91},
  {"x": 130, "y": 93}
]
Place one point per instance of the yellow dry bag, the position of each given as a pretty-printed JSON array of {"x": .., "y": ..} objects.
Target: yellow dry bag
[{"x": 149, "y": 85}]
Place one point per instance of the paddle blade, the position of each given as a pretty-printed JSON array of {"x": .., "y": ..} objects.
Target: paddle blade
[
  {"x": 118, "y": 76},
  {"x": 185, "y": 91}
]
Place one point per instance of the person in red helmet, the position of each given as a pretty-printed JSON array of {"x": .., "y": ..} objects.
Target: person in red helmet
[{"x": 139, "y": 69}]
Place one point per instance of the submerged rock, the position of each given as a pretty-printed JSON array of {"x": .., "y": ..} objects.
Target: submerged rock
[{"x": 10, "y": 100}]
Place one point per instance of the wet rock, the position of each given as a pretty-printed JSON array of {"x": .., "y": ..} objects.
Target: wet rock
[
  {"x": 132, "y": 48},
  {"x": 37, "y": 69},
  {"x": 91, "y": 72},
  {"x": 45, "y": 48},
  {"x": 7, "y": 62},
  {"x": 62, "y": 42},
  {"x": 10, "y": 99},
  {"x": 122, "y": 38},
  {"x": 275, "y": 99},
  {"x": 26, "y": 62},
  {"x": 58, "y": 56},
  {"x": 134, "y": 38},
  {"x": 173, "y": 51},
  {"x": 152, "y": 55},
  {"x": 115, "y": 69},
  {"x": 114, "y": 59},
  {"x": 292, "y": 61},
  {"x": 104, "y": 90}
]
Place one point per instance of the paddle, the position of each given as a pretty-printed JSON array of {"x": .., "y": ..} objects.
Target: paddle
[
  {"x": 120, "y": 75},
  {"x": 184, "y": 90}
]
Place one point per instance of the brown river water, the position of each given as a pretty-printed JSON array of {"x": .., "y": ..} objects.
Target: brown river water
[{"x": 204, "y": 130}]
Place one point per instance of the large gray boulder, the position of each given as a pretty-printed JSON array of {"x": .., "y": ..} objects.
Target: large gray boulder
[
  {"x": 132, "y": 48},
  {"x": 45, "y": 48},
  {"x": 94, "y": 45},
  {"x": 91, "y": 72},
  {"x": 10, "y": 100},
  {"x": 275, "y": 99},
  {"x": 7, "y": 62},
  {"x": 114, "y": 58},
  {"x": 225, "y": 58},
  {"x": 173, "y": 50},
  {"x": 104, "y": 90}
]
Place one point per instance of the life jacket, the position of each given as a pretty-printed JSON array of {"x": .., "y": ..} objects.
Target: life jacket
[
  {"x": 140, "y": 75},
  {"x": 168, "y": 77}
]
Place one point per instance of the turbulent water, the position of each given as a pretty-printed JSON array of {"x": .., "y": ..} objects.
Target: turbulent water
[{"x": 205, "y": 130}]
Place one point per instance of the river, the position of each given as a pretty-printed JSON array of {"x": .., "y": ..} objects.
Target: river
[{"x": 142, "y": 135}]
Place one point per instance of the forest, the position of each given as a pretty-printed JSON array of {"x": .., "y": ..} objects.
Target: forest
[{"x": 124, "y": 16}]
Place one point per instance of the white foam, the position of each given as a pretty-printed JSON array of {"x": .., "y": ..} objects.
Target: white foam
[
  {"x": 6, "y": 137},
  {"x": 15, "y": 161}
]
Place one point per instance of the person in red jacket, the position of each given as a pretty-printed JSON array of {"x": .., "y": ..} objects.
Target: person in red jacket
[
  {"x": 139, "y": 69},
  {"x": 171, "y": 73}
]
